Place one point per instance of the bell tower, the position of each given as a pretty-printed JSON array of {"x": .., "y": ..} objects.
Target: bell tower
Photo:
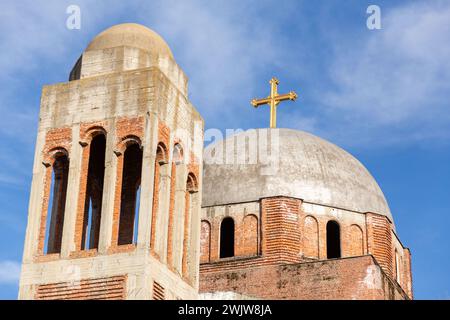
[{"x": 114, "y": 208}]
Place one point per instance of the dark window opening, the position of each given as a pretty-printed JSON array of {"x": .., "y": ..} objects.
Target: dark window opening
[
  {"x": 131, "y": 182},
  {"x": 333, "y": 240},
  {"x": 94, "y": 193},
  {"x": 227, "y": 238},
  {"x": 57, "y": 199}
]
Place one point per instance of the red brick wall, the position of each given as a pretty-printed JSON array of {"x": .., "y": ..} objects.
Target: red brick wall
[
  {"x": 55, "y": 139},
  {"x": 281, "y": 228},
  {"x": 407, "y": 273},
  {"x": 310, "y": 238},
  {"x": 349, "y": 278},
  {"x": 87, "y": 131},
  {"x": 111, "y": 288},
  {"x": 248, "y": 237},
  {"x": 289, "y": 236},
  {"x": 173, "y": 176},
  {"x": 125, "y": 128},
  {"x": 355, "y": 241},
  {"x": 379, "y": 235}
]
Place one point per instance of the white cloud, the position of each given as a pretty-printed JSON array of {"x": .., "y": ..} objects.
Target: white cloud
[
  {"x": 37, "y": 47},
  {"x": 9, "y": 272},
  {"x": 223, "y": 47},
  {"x": 393, "y": 85}
]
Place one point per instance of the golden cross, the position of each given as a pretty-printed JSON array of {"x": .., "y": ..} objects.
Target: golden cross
[{"x": 274, "y": 100}]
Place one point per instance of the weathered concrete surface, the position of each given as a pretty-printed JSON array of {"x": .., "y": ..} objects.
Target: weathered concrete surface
[
  {"x": 297, "y": 164},
  {"x": 128, "y": 86}
]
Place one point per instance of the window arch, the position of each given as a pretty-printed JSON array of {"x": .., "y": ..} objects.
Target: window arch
[
  {"x": 57, "y": 202},
  {"x": 227, "y": 238},
  {"x": 131, "y": 182},
  {"x": 311, "y": 238},
  {"x": 333, "y": 240},
  {"x": 94, "y": 192},
  {"x": 249, "y": 237},
  {"x": 177, "y": 155},
  {"x": 356, "y": 247}
]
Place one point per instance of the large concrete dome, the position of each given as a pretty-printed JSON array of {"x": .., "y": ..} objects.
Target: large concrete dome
[
  {"x": 303, "y": 166},
  {"x": 131, "y": 35}
]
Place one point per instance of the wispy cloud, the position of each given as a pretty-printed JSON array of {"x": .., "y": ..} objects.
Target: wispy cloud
[
  {"x": 393, "y": 85},
  {"x": 9, "y": 272},
  {"x": 223, "y": 47}
]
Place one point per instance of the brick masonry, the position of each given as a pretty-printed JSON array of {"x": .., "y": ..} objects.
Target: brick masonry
[
  {"x": 144, "y": 102},
  {"x": 290, "y": 232},
  {"x": 348, "y": 278},
  {"x": 111, "y": 288}
]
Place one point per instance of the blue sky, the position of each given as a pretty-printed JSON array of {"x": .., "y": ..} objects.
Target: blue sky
[{"x": 383, "y": 95}]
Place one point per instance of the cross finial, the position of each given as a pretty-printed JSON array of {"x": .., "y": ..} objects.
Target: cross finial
[{"x": 274, "y": 100}]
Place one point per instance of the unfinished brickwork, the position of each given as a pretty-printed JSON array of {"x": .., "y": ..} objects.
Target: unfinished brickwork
[
  {"x": 111, "y": 288},
  {"x": 294, "y": 233},
  {"x": 340, "y": 279},
  {"x": 302, "y": 228},
  {"x": 98, "y": 159}
]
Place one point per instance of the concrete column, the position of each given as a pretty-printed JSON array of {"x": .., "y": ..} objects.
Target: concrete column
[
  {"x": 109, "y": 186},
  {"x": 147, "y": 181},
  {"x": 35, "y": 205},
  {"x": 73, "y": 187},
  {"x": 178, "y": 221}
]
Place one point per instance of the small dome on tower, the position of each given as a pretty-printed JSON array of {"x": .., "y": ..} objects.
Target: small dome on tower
[{"x": 131, "y": 35}]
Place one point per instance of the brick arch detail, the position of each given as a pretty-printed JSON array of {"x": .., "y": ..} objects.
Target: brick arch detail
[{"x": 310, "y": 237}]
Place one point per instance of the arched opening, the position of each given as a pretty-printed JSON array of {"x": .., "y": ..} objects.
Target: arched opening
[
  {"x": 131, "y": 182},
  {"x": 227, "y": 238},
  {"x": 94, "y": 193},
  {"x": 249, "y": 238},
  {"x": 57, "y": 199},
  {"x": 311, "y": 238},
  {"x": 333, "y": 240},
  {"x": 205, "y": 241}
]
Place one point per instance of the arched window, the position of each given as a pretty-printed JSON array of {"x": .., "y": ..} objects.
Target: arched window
[
  {"x": 94, "y": 193},
  {"x": 57, "y": 201},
  {"x": 333, "y": 240},
  {"x": 311, "y": 238},
  {"x": 205, "y": 241},
  {"x": 227, "y": 238},
  {"x": 249, "y": 238},
  {"x": 131, "y": 182}
]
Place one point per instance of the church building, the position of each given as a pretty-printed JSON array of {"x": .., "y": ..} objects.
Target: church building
[{"x": 126, "y": 204}]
